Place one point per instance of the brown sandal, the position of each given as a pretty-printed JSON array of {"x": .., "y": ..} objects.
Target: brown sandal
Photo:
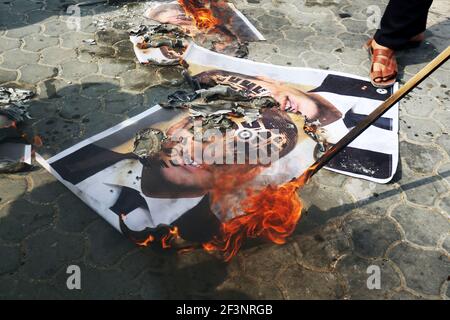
[{"x": 387, "y": 59}]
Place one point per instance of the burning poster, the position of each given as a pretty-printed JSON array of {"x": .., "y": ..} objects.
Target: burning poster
[
  {"x": 215, "y": 164},
  {"x": 15, "y": 151},
  {"x": 216, "y": 25},
  {"x": 142, "y": 177},
  {"x": 335, "y": 100}
]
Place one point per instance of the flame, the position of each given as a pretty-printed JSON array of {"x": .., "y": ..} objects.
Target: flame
[
  {"x": 200, "y": 11},
  {"x": 270, "y": 213},
  {"x": 146, "y": 242},
  {"x": 166, "y": 241}
]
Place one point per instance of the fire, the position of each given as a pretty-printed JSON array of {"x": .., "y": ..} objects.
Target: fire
[
  {"x": 166, "y": 241},
  {"x": 271, "y": 213},
  {"x": 146, "y": 241},
  {"x": 200, "y": 11}
]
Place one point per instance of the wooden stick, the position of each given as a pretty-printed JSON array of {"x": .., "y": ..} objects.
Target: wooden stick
[{"x": 379, "y": 111}]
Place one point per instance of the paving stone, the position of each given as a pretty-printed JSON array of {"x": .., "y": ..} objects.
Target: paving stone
[
  {"x": 330, "y": 178},
  {"x": 43, "y": 187},
  {"x": 446, "y": 244},
  {"x": 121, "y": 102},
  {"x": 420, "y": 105},
  {"x": 371, "y": 237},
  {"x": 11, "y": 189},
  {"x": 265, "y": 261},
  {"x": 96, "y": 122},
  {"x": 324, "y": 29},
  {"x": 421, "y": 159},
  {"x": 54, "y": 55},
  {"x": 243, "y": 288},
  {"x": 443, "y": 117},
  {"x": 355, "y": 26},
  {"x": 422, "y": 190},
  {"x": 56, "y": 88},
  {"x": 15, "y": 58},
  {"x": 322, "y": 249},
  {"x": 422, "y": 226},
  {"x": 38, "y": 42},
  {"x": 424, "y": 271},
  {"x": 25, "y": 6},
  {"x": 9, "y": 259},
  {"x": 48, "y": 251},
  {"x": 420, "y": 130},
  {"x": 124, "y": 50},
  {"x": 102, "y": 236},
  {"x": 73, "y": 214},
  {"x": 280, "y": 60},
  {"x": 41, "y": 16},
  {"x": 297, "y": 34},
  {"x": 73, "y": 39},
  {"x": 324, "y": 44},
  {"x": 140, "y": 79},
  {"x": 21, "y": 218},
  {"x": 154, "y": 286},
  {"x": 356, "y": 273},
  {"x": 444, "y": 142},
  {"x": 374, "y": 198},
  {"x": 56, "y": 28},
  {"x": 75, "y": 107},
  {"x": 32, "y": 73},
  {"x": 115, "y": 67},
  {"x": 404, "y": 295},
  {"x": 54, "y": 132},
  {"x": 94, "y": 86},
  {"x": 318, "y": 60},
  {"x": 6, "y": 76},
  {"x": 8, "y": 44},
  {"x": 94, "y": 54},
  {"x": 144, "y": 260},
  {"x": 110, "y": 37},
  {"x": 321, "y": 204},
  {"x": 444, "y": 205},
  {"x": 205, "y": 271},
  {"x": 73, "y": 70},
  {"x": 8, "y": 285},
  {"x": 23, "y": 31},
  {"x": 350, "y": 56},
  {"x": 304, "y": 284},
  {"x": 272, "y": 23},
  {"x": 351, "y": 40},
  {"x": 444, "y": 171}
]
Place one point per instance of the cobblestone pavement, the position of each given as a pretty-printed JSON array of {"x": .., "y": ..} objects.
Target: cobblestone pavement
[{"x": 348, "y": 224}]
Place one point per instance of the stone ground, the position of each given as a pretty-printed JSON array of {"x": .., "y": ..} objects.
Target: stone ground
[{"x": 348, "y": 224}]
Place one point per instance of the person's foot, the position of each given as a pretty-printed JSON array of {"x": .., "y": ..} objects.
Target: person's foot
[
  {"x": 382, "y": 68},
  {"x": 383, "y": 71}
]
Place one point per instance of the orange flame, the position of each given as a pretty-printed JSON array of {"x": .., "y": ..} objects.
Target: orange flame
[
  {"x": 200, "y": 11},
  {"x": 271, "y": 213},
  {"x": 166, "y": 241},
  {"x": 146, "y": 242}
]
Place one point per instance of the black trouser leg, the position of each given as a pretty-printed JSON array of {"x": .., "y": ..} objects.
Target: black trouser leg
[{"x": 402, "y": 20}]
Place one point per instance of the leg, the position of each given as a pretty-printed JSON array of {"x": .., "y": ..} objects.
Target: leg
[{"x": 402, "y": 20}]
